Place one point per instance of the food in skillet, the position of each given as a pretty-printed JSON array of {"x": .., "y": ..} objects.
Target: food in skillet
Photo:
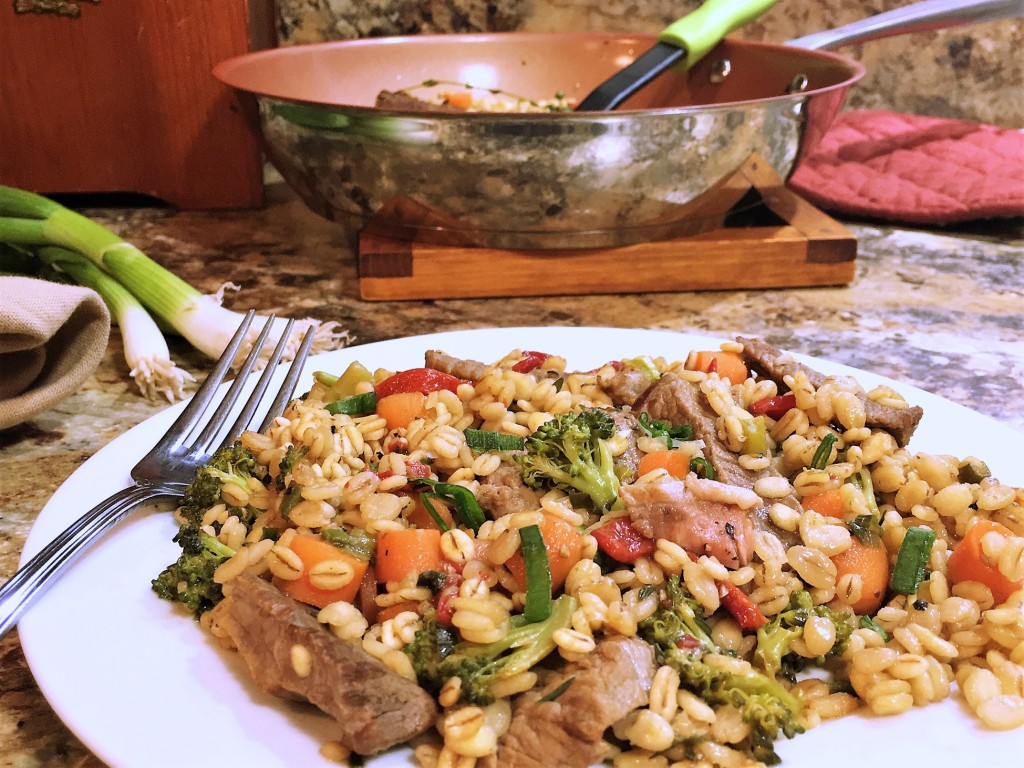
[
  {"x": 448, "y": 96},
  {"x": 511, "y": 564}
]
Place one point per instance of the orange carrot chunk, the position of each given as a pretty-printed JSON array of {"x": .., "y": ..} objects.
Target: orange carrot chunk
[
  {"x": 313, "y": 551},
  {"x": 563, "y": 543},
  {"x": 399, "y": 409},
  {"x": 728, "y": 365},
  {"x": 460, "y": 99},
  {"x": 871, "y": 563},
  {"x": 828, "y": 503},
  {"x": 969, "y": 563},
  {"x": 411, "y": 550},
  {"x": 676, "y": 463}
]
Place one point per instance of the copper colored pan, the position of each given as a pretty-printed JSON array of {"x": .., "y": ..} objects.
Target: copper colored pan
[{"x": 652, "y": 169}]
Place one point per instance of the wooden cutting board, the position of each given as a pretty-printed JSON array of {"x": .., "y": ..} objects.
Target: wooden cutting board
[
  {"x": 765, "y": 237},
  {"x": 122, "y": 99}
]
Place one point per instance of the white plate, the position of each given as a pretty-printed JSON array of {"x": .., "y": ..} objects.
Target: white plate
[{"x": 141, "y": 685}]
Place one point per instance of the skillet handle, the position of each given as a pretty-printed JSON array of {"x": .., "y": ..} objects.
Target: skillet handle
[
  {"x": 701, "y": 30},
  {"x": 918, "y": 17}
]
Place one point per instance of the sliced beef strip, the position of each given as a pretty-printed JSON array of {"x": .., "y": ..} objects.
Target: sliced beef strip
[
  {"x": 776, "y": 365},
  {"x": 668, "y": 510},
  {"x": 675, "y": 401},
  {"x": 375, "y": 708},
  {"x": 503, "y": 492},
  {"x": 464, "y": 369},
  {"x": 404, "y": 102},
  {"x": 624, "y": 387},
  {"x": 607, "y": 684}
]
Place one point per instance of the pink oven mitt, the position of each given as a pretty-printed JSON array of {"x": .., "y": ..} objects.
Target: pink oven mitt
[{"x": 913, "y": 169}]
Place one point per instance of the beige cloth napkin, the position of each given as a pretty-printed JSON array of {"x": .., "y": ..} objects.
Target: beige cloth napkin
[{"x": 52, "y": 337}]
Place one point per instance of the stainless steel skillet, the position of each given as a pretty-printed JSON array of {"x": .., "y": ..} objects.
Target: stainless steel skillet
[{"x": 558, "y": 179}]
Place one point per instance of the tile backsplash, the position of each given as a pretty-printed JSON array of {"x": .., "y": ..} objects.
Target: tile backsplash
[{"x": 972, "y": 72}]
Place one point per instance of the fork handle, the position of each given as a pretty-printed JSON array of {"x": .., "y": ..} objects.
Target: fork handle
[{"x": 32, "y": 579}]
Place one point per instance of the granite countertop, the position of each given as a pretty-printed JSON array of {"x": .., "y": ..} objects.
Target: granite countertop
[{"x": 939, "y": 310}]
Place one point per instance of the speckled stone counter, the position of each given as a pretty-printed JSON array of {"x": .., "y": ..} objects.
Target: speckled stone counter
[{"x": 942, "y": 311}]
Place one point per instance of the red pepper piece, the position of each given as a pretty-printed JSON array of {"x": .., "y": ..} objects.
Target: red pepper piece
[
  {"x": 530, "y": 361},
  {"x": 746, "y": 612},
  {"x": 621, "y": 541},
  {"x": 616, "y": 365},
  {"x": 774, "y": 407},
  {"x": 424, "y": 380},
  {"x": 688, "y": 643},
  {"x": 444, "y": 609}
]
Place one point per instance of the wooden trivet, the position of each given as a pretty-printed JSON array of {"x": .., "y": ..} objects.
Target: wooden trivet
[{"x": 767, "y": 237}]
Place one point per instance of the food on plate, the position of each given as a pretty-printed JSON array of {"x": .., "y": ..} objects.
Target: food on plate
[{"x": 656, "y": 562}]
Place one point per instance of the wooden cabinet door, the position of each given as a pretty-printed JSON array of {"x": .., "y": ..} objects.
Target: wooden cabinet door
[{"x": 122, "y": 99}]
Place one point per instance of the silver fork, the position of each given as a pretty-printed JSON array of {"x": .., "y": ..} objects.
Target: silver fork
[{"x": 169, "y": 467}]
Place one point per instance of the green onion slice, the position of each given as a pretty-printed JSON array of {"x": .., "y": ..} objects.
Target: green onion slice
[
  {"x": 487, "y": 440},
  {"x": 432, "y": 511},
  {"x": 702, "y": 467},
  {"x": 824, "y": 452},
  {"x": 912, "y": 560},
  {"x": 558, "y": 690},
  {"x": 670, "y": 435},
  {"x": 538, "y": 574},
  {"x": 868, "y": 623},
  {"x": 466, "y": 506},
  {"x": 357, "y": 405}
]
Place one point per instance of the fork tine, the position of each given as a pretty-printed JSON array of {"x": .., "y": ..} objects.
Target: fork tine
[
  {"x": 284, "y": 395},
  {"x": 189, "y": 417},
  {"x": 245, "y": 415},
  {"x": 216, "y": 421}
]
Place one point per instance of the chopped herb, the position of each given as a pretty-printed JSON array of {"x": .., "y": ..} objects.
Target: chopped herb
[
  {"x": 356, "y": 541},
  {"x": 868, "y": 623},
  {"x": 824, "y": 452},
  {"x": 866, "y": 529},
  {"x": 433, "y": 580},
  {"x": 659, "y": 429},
  {"x": 702, "y": 468},
  {"x": 460, "y": 497},
  {"x": 556, "y": 692}
]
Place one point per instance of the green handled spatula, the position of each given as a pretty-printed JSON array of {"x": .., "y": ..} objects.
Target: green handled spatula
[{"x": 681, "y": 44}]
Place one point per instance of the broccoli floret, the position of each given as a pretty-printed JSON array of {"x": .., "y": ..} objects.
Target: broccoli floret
[
  {"x": 189, "y": 579},
  {"x": 571, "y": 452},
  {"x": 679, "y": 621},
  {"x": 763, "y": 702},
  {"x": 774, "y": 638},
  {"x": 681, "y": 638},
  {"x": 431, "y": 645},
  {"x": 231, "y": 464},
  {"x": 436, "y": 658},
  {"x": 291, "y": 457}
]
